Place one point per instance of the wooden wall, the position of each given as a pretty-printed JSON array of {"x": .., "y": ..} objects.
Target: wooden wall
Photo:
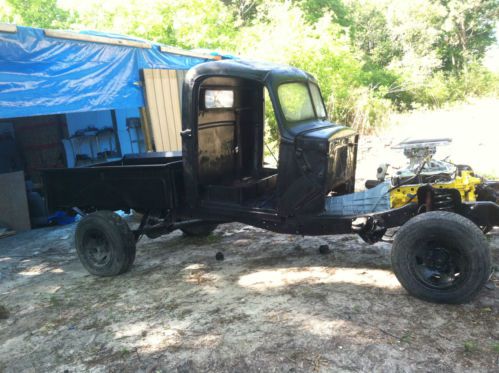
[{"x": 163, "y": 107}]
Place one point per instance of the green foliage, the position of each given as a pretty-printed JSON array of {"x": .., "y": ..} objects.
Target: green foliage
[
  {"x": 6, "y": 13},
  {"x": 315, "y": 9},
  {"x": 435, "y": 92},
  {"x": 470, "y": 347},
  {"x": 271, "y": 130},
  {"x": 370, "y": 34},
  {"x": 282, "y": 34},
  {"x": 447, "y": 87},
  {"x": 475, "y": 80},
  {"x": 183, "y": 23},
  {"x": 369, "y": 56},
  {"x": 40, "y": 13},
  {"x": 363, "y": 108},
  {"x": 467, "y": 30},
  {"x": 197, "y": 24},
  {"x": 244, "y": 11}
]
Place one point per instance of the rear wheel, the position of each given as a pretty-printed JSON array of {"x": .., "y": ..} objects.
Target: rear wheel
[
  {"x": 441, "y": 257},
  {"x": 105, "y": 244},
  {"x": 199, "y": 230}
]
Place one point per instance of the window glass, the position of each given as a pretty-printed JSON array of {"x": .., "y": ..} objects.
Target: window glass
[
  {"x": 218, "y": 99},
  {"x": 318, "y": 103},
  {"x": 271, "y": 135},
  {"x": 295, "y": 101}
]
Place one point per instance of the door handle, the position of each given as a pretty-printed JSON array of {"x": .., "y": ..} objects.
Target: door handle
[{"x": 186, "y": 133}]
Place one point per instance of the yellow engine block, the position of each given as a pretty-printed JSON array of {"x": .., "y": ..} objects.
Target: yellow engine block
[{"x": 465, "y": 183}]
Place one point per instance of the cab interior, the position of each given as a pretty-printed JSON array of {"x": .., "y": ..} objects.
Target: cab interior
[{"x": 230, "y": 126}]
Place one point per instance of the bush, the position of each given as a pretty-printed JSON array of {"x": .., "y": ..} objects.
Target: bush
[
  {"x": 442, "y": 87},
  {"x": 361, "y": 108},
  {"x": 475, "y": 80},
  {"x": 435, "y": 92}
]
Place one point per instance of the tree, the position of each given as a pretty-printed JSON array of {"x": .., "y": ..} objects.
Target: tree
[
  {"x": 371, "y": 34},
  {"x": 6, "y": 13},
  {"x": 414, "y": 27},
  {"x": 182, "y": 23},
  {"x": 41, "y": 13},
  {"x": 315, "y": 9},
  {"x": 197, "y": 24},
  {"x": 468, "y": 29},
  {"x": 244, "y": 10}
]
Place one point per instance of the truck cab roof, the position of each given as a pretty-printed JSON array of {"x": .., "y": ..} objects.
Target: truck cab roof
[{"x": 265, "y": 72}]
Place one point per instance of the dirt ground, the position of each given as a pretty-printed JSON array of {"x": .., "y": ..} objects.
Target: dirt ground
[{"x": 273, "y": 305}]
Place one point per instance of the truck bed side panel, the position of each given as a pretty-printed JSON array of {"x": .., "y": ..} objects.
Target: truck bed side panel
[{"x": 140, "y": 187}]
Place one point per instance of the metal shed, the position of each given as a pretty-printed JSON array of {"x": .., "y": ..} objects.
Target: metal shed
[
  {"x": 74, "y": 98},
  {"x": 47, "y": 72}
]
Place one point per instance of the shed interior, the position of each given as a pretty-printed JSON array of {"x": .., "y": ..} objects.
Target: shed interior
[{"x": 30, "y": 144}]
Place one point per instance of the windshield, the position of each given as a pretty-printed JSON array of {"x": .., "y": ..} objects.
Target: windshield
[{"x": 297, "y": 104}]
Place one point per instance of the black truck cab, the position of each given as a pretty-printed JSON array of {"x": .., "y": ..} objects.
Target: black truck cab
[{"x": 223, "y": 140}]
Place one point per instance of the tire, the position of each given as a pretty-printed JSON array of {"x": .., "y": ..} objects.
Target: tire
[
  {"x": 105, "y": 244},
  {"x": 199, "y": 230},
  {"x": 441, "y": 257}
]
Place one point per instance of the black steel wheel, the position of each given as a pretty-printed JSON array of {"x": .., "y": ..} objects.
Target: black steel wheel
[
  {"x": 105, "y": 244},
  {"x": 441, "y": 257},
  {"x": 438, "y": 266},
  {"x": 199, "y": 230}
]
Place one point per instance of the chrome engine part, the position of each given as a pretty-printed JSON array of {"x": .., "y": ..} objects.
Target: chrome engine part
[{"x": 422, "y": 167}]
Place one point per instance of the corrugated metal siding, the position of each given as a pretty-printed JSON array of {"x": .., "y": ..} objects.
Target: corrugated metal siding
[{"x": 163, "y": 100}]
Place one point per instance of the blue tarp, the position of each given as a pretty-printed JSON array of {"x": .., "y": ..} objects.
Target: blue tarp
[{"x": 41, "y": 75}]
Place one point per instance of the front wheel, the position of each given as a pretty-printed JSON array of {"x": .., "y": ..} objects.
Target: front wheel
[{"x": 441, "y": 257}]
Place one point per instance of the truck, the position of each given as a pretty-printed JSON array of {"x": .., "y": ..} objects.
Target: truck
[{"x": 440, "y": 211}]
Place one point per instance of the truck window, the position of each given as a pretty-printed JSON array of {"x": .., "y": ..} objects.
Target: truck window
[
  {"x": 318, "y": 103},
  {"x": 271, "y": 135},
  {"x": 295, "y": 102},
  {"x": 218, "y": 99}
]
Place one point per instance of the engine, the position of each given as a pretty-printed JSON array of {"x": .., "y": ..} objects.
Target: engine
[{"x": 449, "y": 183}]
